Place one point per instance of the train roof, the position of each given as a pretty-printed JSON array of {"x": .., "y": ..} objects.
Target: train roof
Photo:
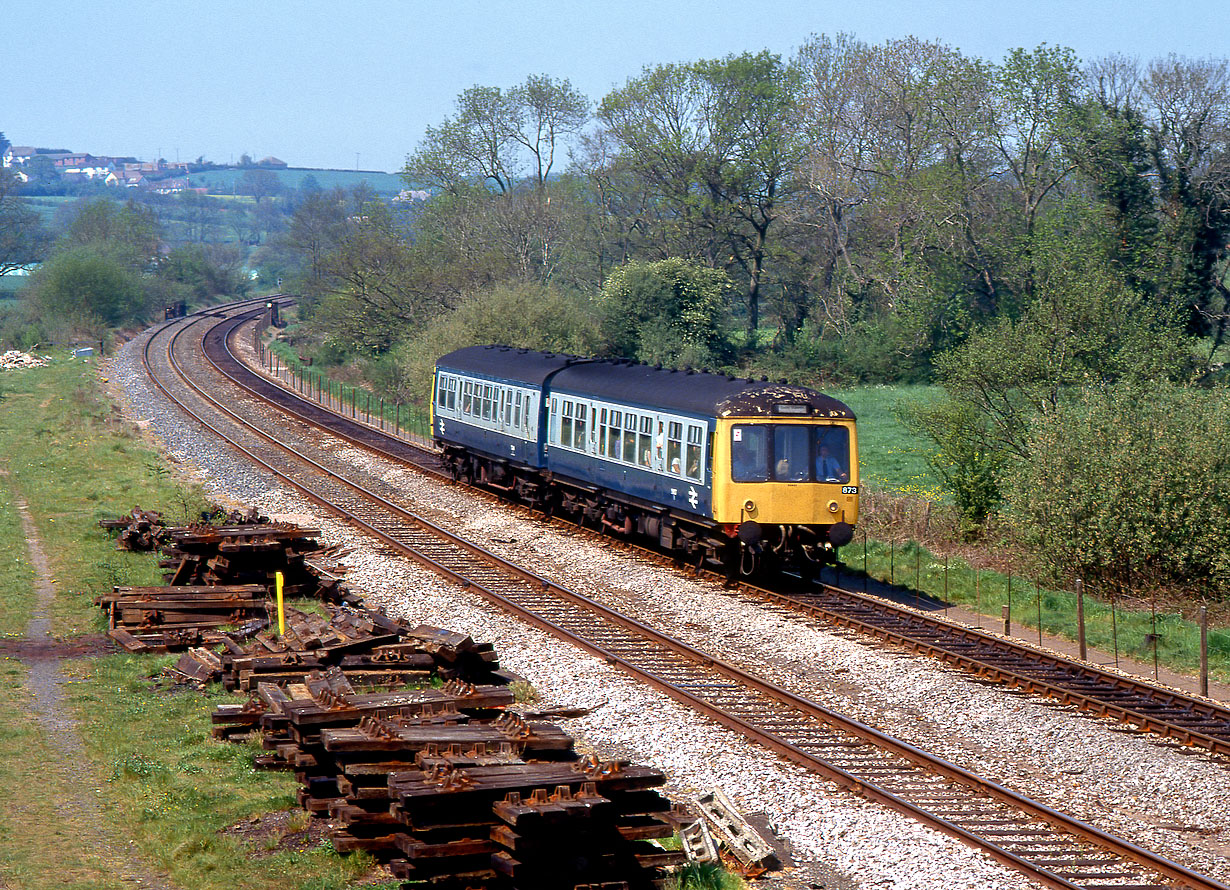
[
  {"x": 686, "y": 391},
  {"x": 506, "y": 363}
]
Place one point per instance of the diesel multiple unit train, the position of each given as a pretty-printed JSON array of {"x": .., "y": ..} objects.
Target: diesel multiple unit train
[{"x": 724, "y": 471}]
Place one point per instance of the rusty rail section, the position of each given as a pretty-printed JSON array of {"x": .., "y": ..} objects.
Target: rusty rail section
[{"x": 1047, "y": 845}]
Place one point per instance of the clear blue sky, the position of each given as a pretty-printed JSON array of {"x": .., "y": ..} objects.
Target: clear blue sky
[{"x": 326, "y": 84}]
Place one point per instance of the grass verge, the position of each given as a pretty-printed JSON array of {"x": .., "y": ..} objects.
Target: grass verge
[
  {"x": 155, "y": 775},
  {"x": 1128, "y": 629},
  {"x": 175, "y": 788}
]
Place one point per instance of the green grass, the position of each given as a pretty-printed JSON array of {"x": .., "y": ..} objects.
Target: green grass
[
  {"x": 74, "y": 462},
  {"x": 705, "y": 876},
  {"x": 891, "y": 458},
  {"x": 16, "y": 570},
  {"x": 1178, "y": 639},
  {"x": 175, "y": 788},
  {"x": 41, "y": 837},
  {"x": 46, "y": 206},
  {"x": 162, "y": 780}
]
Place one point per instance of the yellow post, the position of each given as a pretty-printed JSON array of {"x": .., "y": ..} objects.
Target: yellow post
[{"x": 281, "y": 612}]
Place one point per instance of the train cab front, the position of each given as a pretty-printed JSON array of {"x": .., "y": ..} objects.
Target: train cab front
[{"x": 785, "y": 481}]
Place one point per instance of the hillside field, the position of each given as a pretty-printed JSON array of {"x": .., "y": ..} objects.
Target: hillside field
[{"x": 224, "y": 181}]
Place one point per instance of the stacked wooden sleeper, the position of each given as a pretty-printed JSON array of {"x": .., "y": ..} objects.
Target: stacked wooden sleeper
[{"x": 452, "y": 789}]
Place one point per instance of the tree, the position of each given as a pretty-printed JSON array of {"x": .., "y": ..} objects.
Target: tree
[
  {"x": 546, "y": 110},
  {"x": 196, "y": 274},
  {"x": 20, "y": 231},
  {"x": 475, "y": 146},
  {"x": 129, "y": 232},
  {"x": 85, "y": 285},
  {"x": 894, "y": 189},
  {"x": 1085, "y": 327},
  {"x": 1129, "y": 486},
  {"x": 1033, "y": 94},
  {"x": 312, "y": 234},
  {"x": 260, "y": 184},
  {"x": 670, "y": 312},
  {"x": 712, "y": 140},
  {"x": 1189, "y": 140},
  {"x": 496, "y": 134}
]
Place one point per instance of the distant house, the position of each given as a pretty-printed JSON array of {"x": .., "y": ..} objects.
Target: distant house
[
  {"x": 272, "y": 162},
  {"x": 86, "y": 165},
  {"x": 172, "y": 186},
  {"x": 18, "y": 155},
  {"x": 127, "y": 178},
  {"x": 71, "y": 160}
]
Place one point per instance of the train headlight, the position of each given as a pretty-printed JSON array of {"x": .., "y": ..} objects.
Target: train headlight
[
  {"x": 749, "y": 506},
  {"x": 834, "y": 507}
]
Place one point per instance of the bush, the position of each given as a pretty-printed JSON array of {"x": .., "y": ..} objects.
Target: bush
[
  {"x": 966, "y": 459},
  {"x": 530, "y": 316},
  {"x": 84, "y": 286},
  {"x": 1130, "y": 486},
  {"x": 671, "y": 311}
]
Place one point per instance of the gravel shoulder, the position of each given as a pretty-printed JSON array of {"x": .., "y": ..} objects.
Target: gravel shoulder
[{"x": 1154, "y": 793}]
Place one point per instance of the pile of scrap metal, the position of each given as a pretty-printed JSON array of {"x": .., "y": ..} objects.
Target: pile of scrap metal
[
  {"x": 139, "y": 530},
  {"x": 373, "y": 649},
  {"x": 449, "y": 787},
  {"x": 217, "y": 576}
]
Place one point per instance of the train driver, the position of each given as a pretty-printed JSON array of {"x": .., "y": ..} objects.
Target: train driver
[{"x": 828, "y": 468}]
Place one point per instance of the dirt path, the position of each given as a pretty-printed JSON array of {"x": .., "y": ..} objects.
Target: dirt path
[{"x": 42, "y": 655}]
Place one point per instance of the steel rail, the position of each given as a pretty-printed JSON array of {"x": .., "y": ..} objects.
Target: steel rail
[
  {"x": 647, "y": 637},
  {"x": 1191, "y": 721}
]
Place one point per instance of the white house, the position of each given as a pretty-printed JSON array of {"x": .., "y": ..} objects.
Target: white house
[{"x": 18, "y": 155}]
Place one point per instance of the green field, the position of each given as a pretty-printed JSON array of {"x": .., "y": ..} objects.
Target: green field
[
  {"x": 224, "y": 181},
  {"x": 891, "y": 458},
  {"x": 46, "y": 206},
  {"x": 11, "y": 284}
]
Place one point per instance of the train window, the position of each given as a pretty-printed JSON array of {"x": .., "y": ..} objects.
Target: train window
[
  {"x": 486, "y": 401},
  {"x": 517, "y": 410},
  {"x": 749, "y": 453},
  {"x": 467, "y": 398},
  {"x": 565, "y": 425},
  {"x": 602, "y": 432},
  {"x": 508, "y": 399},
  {"x": 696, "y": 435},
  {"x": 582, "y": 427},
  {"x": 613, "y": 435},
  {"x": 790, "y": 453},
  {"x": 832, "y": 454},
  {"x": 629, "y": 437},
  {"x": 452, "y": 393},
  {"x": 645, "y": 448},
  {"x": 441, "y": 385},
  {"x": 674, "y": 447}
]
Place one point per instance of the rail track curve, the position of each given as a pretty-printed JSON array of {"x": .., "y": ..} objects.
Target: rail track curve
[{"x": 1047, "y": 845}]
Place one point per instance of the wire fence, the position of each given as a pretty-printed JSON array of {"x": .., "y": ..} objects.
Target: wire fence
[{"x": 407, "y": 422}]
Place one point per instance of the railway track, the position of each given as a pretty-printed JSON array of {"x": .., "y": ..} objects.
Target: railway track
[
  {"x": 1047, "y": 845},
  {"x": 1147, "y": 707}
]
